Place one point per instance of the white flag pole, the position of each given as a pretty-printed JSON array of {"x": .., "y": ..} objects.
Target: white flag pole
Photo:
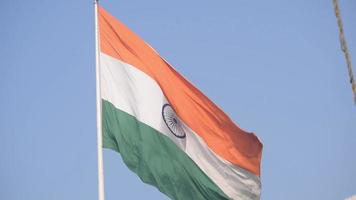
[{"x": 101, "y": 193}]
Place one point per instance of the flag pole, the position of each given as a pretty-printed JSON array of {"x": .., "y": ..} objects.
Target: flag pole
[{"x": 101, "y": 193}]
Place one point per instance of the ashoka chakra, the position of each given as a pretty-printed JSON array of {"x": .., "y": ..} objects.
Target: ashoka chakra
[{"x": 172, "y": 121}]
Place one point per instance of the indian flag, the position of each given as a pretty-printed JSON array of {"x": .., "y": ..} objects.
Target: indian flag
[{"x": 167, "y": 131}]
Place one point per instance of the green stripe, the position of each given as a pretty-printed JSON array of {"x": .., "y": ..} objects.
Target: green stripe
[{"x": 155, "y": 158}]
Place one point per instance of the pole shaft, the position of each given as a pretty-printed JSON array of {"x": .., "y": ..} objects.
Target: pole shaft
[{"x": 101, "y": 193}]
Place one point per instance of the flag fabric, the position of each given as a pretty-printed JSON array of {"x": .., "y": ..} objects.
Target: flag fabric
[{"x": 167, "y": 131}]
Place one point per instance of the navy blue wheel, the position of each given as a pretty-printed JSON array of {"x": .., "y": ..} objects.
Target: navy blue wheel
[{"x": 171, "y": 120}]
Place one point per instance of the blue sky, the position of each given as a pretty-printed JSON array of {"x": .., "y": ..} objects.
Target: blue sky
[{"x": 274, "y": 66}]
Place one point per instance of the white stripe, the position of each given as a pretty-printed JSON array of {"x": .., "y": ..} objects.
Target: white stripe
[{"x": 137, "y": 94}]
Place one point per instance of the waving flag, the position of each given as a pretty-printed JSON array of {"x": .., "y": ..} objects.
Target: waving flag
[{"x": 167, "y": 131}]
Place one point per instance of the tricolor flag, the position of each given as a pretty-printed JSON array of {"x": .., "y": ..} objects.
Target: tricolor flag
[{"x": 167, "y": 131}]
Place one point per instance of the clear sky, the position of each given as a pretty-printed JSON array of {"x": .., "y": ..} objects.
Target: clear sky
[{"x": 274, "y": 66}]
